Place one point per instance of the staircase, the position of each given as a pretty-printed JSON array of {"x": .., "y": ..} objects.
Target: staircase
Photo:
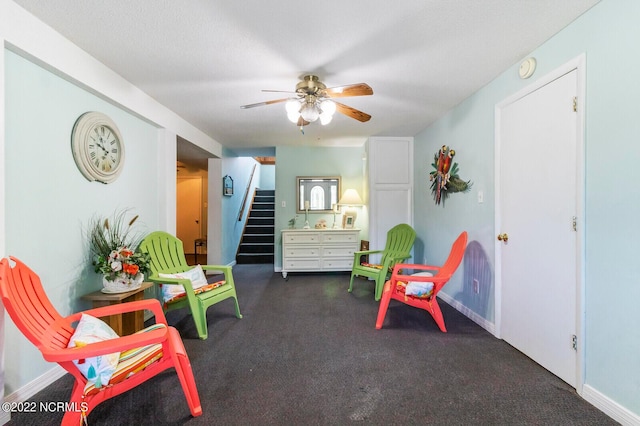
[{"x": 256, "y": 244}]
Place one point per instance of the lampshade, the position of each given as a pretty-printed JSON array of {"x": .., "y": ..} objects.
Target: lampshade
[{"x": 351, "y": 198}]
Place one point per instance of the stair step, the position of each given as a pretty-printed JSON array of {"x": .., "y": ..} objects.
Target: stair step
[
  {"x": 256, "y": 248},
  {"x": 252, "y": 229},
  {"x": 264, "y": 221},
  {"x": 262, "y": 213},
  {"x": 263, "y": 199},
  {"x": 253, "y": 259},
  {"x": 257, "y": 238},
  {"x": 263, "y": 206}
]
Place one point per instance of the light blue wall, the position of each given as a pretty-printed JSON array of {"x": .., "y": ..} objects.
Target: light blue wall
[
  {"x": 240, "y": 169},
  {"x": 315, "y": 161},
  {"x": 268, "y": 176},
  {"x": 49, "y": 202},
  {"x": 609, "y": 35}
]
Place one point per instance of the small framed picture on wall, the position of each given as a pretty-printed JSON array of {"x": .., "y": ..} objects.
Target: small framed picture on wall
[{"x": 227, "y": 186}]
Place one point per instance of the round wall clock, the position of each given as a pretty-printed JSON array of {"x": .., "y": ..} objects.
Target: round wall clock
[{"x": 97, "y": 146}]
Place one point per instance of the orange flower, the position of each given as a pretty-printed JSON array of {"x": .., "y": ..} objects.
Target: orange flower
[
  {"x": 125, "y": 252},
  {"x": 130, "y": 269}
]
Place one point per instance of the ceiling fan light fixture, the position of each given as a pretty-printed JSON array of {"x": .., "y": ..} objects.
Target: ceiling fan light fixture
[
  {"x": 293, "y": 110},
  {"x": 293, "y": 117},
  {"x": 325, "y": 119},
  {"x": 310, "y": 112},
  {"x": 292, "y": 106},
  {"x": 328, "y": 107},
  {"x": 311, "y": 101}
]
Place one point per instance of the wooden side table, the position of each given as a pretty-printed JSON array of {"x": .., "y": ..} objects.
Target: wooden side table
[{"x": 123, "y": 324}]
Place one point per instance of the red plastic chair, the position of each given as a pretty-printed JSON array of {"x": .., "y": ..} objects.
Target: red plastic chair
[
  {"x": 395, "y": 287},
  {"x": 32, "y": 312}
]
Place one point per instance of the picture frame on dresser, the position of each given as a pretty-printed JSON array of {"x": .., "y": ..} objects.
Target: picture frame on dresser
[{"x": 348, "y": 221}]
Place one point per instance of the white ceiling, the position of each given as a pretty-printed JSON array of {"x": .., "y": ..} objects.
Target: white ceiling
[{"x": 203, "y": 58}]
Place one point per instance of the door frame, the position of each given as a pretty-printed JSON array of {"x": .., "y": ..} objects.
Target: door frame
[{"x": 578, "y": 64}]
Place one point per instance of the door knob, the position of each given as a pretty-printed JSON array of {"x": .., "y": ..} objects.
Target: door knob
[{"x": 503, "y": 237}]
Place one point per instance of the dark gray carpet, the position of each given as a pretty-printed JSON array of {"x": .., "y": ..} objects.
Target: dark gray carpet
[{"x": 307, "y": 353}]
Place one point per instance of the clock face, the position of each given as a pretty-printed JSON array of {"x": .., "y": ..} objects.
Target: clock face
[
  {"x": 97, "y": 147},
  {"x": 104, "y": 148}
]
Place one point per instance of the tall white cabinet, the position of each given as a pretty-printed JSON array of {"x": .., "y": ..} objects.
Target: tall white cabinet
[{"x": 390, "y": 186}]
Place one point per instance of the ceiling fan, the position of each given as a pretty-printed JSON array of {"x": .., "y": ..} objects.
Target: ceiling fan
[{"x": 312, "y": 100}]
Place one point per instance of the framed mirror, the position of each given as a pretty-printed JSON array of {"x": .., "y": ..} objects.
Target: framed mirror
[{"x": 319, "y": 193}]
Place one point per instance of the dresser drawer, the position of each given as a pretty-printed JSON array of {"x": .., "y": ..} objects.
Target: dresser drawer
[
  {"x": 337, "y": 264},
  {"x": 338, "y": 251},
  {"x": 301, "y": 238},
  {"x": 301, "y": 264},
  {"x": 300, "y": 251},
  {"x": 339, "y": 237}
]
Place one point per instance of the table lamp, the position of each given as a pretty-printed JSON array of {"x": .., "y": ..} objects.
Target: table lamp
[{"x": 351, "y": 198}]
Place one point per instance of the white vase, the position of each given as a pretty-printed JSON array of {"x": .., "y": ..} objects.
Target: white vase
[{"x": 122, "y": 283}]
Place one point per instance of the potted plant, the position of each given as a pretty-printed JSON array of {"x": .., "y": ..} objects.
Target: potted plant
[{"x": 115, "y": 255}]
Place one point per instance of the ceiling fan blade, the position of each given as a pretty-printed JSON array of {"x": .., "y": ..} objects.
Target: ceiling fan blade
[
  {"x": 278, "y": 91},
  {"x": 302, "y": 122},
  {"x": 360, "y": 89},
  {"x": 352, "y": 112},
  {"x": 275, "y": 101}
]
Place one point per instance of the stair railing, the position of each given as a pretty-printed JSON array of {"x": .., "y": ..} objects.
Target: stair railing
[{"x": 246, "y": 195}]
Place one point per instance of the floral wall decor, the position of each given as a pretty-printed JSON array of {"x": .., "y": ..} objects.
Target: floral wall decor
[{"x": 444, "y": 179}]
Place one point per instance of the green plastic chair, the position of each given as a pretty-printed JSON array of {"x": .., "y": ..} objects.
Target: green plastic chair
[
  {"x": 167, "y": 257},
  {"x": 400, "y": 240}
]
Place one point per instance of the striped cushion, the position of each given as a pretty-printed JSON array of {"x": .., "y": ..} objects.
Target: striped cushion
[
  {"x": 374, "y": 266},
  {"x": 195, "y": 291},
  {"x": 131, "y": 362},
  {"x": 371, "y": 265}
]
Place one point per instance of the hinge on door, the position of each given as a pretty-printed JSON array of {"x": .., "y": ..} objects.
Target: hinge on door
[
  {"x": 574, "y": 342},
  {"x": 575, "y": 104},
  {"x": 574, "y": 223}
]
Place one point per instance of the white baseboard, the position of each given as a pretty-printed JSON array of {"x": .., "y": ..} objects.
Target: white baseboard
[
  {"x": 610, "y": 407},
  {"x": 36, "y": 385},
  {"x": 489, "y": 326}
]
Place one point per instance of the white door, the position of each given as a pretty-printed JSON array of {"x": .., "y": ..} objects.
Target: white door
[
  {"x": 189, "y": 211},
  {"x": 391, "y": 187},
  {"x": 538, "y": 205}
]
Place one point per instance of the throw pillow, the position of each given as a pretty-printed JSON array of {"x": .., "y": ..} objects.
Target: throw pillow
[
  {"x": 98, "y": 370},
  {"x": 420, "y": 289},
  {"x": 195, "y": 275}
]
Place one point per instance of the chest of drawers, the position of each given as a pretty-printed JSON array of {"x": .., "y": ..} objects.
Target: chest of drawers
[{"x": 318, "y": 250}]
